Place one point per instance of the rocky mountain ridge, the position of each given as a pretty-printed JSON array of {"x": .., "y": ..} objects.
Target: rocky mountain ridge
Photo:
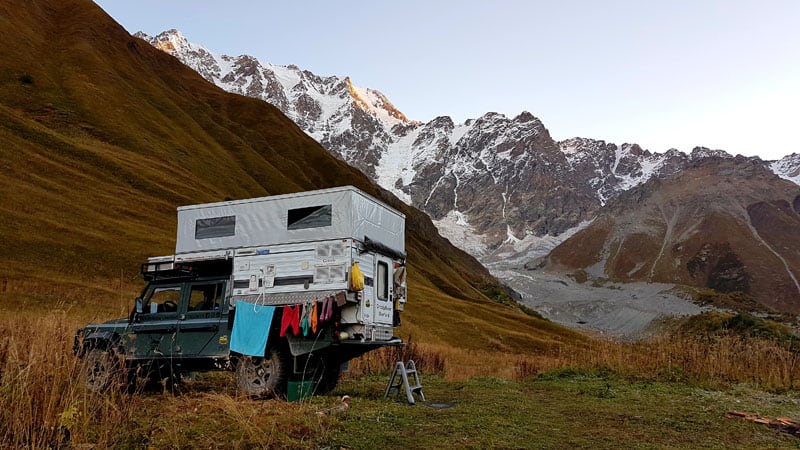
[
  {"x": 728, "y": 224},
  {"x": 494, "y": 185}
]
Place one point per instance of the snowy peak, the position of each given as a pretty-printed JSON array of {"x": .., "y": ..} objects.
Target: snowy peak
[
  {"x": 705, "y": 152},
  {"x": 319, "y": 104},
  {"x": 195, "y": 56},
  {"x": 376, "y": 103},
  {"x": 788, "y": 167},
  {"x": 170, "y": 41}
]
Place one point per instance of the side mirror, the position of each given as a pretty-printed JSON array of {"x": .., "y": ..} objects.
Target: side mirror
[{"x": 139, "y": 305}]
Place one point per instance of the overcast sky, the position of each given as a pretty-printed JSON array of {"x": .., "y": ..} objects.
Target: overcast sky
[{"x": 664, "y": 74}]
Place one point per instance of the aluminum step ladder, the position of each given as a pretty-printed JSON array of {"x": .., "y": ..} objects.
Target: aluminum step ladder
[{"x": 401, "y": 374}]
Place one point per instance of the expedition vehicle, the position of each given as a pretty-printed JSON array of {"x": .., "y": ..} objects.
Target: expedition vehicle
[{"x": 288, "y": 287}]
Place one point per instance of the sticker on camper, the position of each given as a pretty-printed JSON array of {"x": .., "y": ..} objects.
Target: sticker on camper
[
  {"x": 269, "y": 276},
  {"x": 223, "y": 340}
]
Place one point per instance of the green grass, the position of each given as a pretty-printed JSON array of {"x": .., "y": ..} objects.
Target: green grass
[
  {"x": 566, "y": 409},
  {"x": 563, "y": 410},
  {"x": 585, "y": 404}
]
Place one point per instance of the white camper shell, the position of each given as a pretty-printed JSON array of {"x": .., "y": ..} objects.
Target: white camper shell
[{"x": 296, "y": 248}]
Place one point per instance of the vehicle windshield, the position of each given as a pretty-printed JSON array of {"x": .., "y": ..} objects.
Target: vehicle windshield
[{"x": 161, "y": 298}]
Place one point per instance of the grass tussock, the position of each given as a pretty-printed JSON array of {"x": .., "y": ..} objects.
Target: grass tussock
[
  {"x": 711, "y": 360},
  {"x": 382, "y": 361},
  {"x": 44, "y": 403},
  {"x": 42, "y": 400}
]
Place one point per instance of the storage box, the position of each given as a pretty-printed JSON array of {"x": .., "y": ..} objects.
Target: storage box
[{"x": 299, "y": 390}]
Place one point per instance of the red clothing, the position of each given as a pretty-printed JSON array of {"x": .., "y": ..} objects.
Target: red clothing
[{"x": 291, "y": 318}]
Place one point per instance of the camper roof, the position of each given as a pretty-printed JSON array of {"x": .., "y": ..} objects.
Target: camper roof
[
  {"x": 292, "y": 195},
  {"x": 337, "y": 213}
]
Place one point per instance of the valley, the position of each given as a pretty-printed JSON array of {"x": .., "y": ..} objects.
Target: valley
[
  {"x": 104, "y": 136},
  {"x": 626, "y": 311}
]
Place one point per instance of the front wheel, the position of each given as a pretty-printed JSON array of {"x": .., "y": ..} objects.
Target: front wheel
[
  {"x": 101, "y": 369},
  {"x": 263, "y": 377}
]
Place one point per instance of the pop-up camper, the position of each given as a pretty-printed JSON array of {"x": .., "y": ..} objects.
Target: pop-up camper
[
  {"x": 294, "y": 248},
  {"x": 282, "y": 287}
]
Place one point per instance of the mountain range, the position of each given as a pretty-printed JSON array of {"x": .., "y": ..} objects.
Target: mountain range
[
  {"x": 105, "y": 136},
  {"x": 495, "y": 186}
]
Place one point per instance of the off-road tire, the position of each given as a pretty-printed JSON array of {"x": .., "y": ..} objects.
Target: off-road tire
[
  {"x": 101, "y": 369},
  {"x": 264, "y": 377}
]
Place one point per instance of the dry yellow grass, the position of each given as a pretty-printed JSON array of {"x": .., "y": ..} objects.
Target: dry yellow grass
[
  {"x": 703, "y": 360},
  {"x": 43, "y": 402}
]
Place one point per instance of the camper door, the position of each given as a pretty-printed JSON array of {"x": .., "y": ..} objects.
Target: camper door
[{"x": 383, "y": 290}]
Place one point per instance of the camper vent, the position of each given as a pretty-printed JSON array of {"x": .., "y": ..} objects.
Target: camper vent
[
  {"x": 329, "y": 274},
  {"x": 330, "y": 249}
]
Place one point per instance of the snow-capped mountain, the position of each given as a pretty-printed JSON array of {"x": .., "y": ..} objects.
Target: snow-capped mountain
[
  {"x": 493, "y": 185},
  {"x": 788, "y": 167}
]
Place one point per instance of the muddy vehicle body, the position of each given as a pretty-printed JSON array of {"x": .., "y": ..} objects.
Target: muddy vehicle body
[{"x": 280, "y": 288}]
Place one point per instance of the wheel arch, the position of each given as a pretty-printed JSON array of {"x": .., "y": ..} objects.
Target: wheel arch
[{"x": 100, "y": 339}]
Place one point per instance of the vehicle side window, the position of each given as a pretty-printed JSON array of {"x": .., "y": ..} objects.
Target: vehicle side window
[
  {"x": 206, "y": 296},
  {"x": 162, "y": 299}
]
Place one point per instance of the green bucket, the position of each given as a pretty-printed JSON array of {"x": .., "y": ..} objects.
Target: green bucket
[{"x": 299, "y": 390}]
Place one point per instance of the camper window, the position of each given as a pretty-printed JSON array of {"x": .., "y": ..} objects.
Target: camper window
[
  {"x": 215, "y": 227},
  {"x": 311, "y": 217},
  {"x": 383, "y": 280}
]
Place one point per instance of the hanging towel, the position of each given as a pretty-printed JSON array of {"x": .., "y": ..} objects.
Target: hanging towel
[
  {"x": 314, "y": 316},
  {"x": 291, "y": 318},
  {"x": 305, "y": 322},
  {"x": 251, "y": 328},
  {"x": 327, "y": 309}
]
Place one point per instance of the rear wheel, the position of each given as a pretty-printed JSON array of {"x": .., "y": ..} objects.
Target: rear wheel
[{"x": 263, "y": 377}]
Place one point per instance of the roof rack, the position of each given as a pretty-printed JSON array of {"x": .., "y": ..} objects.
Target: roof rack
[{"x": 164, "y": 267}]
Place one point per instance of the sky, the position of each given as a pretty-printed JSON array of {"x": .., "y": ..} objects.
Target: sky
[{"x": 723, "y": 74}]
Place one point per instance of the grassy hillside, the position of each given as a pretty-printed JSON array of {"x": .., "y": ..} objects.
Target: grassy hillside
[{"x": 104, "y": 136}]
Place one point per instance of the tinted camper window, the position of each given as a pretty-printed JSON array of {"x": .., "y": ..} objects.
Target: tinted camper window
[
  {"x": 311, "y": 217},
  {"x": 215, "y": 227},
  {"x": 383, "y": 280}
]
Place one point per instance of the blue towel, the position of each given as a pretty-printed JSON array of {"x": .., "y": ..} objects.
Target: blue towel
[{"x": 251, "y": 328}]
